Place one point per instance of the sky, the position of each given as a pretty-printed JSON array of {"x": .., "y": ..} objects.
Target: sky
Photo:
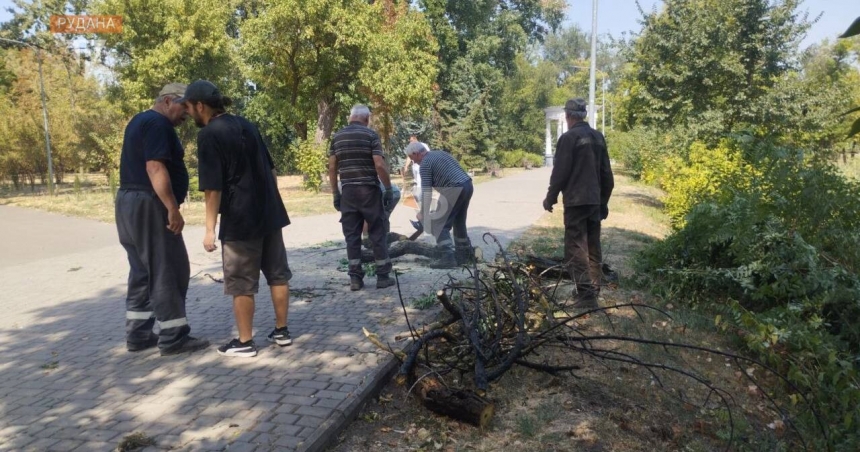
[{"x": 616, "y": 16}]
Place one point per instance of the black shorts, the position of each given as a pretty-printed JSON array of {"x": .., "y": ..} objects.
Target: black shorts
[{"x": 244, "y": 259}]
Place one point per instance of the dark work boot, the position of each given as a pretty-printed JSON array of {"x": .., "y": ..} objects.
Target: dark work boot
[
  {"x": 150, "y": 342},
  {"x": 186, "y": 345},
  {"x": 446, "y": 261},
  {"x": 355, "y": 283},
  {"x": 464, "y": 255},
  {"x": 383, "y": 281}
]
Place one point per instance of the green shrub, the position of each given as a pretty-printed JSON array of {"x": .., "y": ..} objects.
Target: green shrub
[
  {"x": 520, "y": 159},
  {"x": 772, "y": 235},
  {"x": 311, "y": 161},
  {"x": 194, "y": 193}
]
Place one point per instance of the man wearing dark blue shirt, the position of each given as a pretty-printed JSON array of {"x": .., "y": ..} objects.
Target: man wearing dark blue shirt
[{"x": 153, "y": 184}]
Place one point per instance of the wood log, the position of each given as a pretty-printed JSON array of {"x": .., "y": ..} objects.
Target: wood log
[
  {"x": 404, "y": 247},
  {"x": 462, "y": 405}
]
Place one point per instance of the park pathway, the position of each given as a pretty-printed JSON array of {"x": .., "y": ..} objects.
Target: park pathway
[{"x": 67, "y": 382}]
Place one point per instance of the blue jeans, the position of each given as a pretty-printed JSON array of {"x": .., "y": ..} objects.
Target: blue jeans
[{"x": 456, "y": 201}]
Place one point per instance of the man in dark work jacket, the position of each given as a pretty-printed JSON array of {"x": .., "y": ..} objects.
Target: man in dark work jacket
[{"x": 581, "y": 172}]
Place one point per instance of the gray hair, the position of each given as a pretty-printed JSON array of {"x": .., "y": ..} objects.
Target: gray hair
[
  {"x": 360, "y": 112},
  {"x": 164, "y": 97},
  {"x": 414, "y": 148}
]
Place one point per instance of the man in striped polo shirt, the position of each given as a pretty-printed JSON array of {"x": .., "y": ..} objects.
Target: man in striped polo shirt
[
  {"x": 439, "y": 170},
  {"x": 355, "y": 155}
]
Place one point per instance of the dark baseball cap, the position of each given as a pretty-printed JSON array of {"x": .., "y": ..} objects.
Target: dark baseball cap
[
  {"x": 206, "y": 92},
  {"x": 577, "y": 104}
]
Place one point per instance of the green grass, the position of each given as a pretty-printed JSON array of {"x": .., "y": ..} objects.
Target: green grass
[
  {"x": 91, "y": 197},
  {"x": 425, "y": 302}
]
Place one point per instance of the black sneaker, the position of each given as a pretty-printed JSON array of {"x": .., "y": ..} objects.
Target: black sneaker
[
  {"x": 355, "y": 283},
  {"x": 240, "y": 349},
  {"x": 188, "y": 344},
  {"x": 280, "y": 336},
  {"x": 152, "y": 341},
  {"x": 383, "y": 281}
]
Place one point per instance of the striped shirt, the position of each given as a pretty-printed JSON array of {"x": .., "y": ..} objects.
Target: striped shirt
[
  {"x": 354, "y": 147},
  {"x": 440, "y": 170}
]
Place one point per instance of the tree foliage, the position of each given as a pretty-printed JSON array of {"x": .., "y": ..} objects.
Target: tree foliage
[
  {"x": 710, "y": 60},
  {"x": 312, "y": 59}
]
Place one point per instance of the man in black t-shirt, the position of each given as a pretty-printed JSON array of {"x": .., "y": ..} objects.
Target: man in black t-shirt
[
  {"x": 238, "y": 178},
  {"x": 153, "y": 184}
]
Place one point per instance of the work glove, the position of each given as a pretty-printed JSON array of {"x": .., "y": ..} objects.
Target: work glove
[
  {"x": 387, "y": 198},
  {"x": 547, "y": 204},
  {"x": 604, "y": 211},
  {"x": 337, "y": 202}
]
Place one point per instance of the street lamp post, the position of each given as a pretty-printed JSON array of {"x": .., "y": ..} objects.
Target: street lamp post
[
  {"x": 592, "y": 78},
  {"x": 44, "y": 110}
]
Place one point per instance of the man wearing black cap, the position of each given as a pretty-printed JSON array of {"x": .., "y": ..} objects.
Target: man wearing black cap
[
  {"x": 153, "y": 184},
  {"x": 581, "y": 172},
  {"x": 238, "y": 178}
]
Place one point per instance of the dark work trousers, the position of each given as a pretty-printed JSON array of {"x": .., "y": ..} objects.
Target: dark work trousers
[
  {"x": 582, "y": 250},
  {"x": 359, "y": 204},
  {"x": 454, "y": 201},
  {"x": 158, "y": 279}
]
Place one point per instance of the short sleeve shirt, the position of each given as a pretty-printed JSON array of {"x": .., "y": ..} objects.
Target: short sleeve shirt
[
  {"x": 151, "y": 136},
  {"x": 354, "y": 147},
  {"x": 233, "y": 159}
]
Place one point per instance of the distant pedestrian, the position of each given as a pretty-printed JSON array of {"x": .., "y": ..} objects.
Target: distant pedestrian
[
  {"x": 582, "y": 173},
  {"x": 416, "y": 171},
  {"x": 440, "y": 171},
  {"x": 153, "y": 184},
  {"x": 238, "y": 178},
  {"x": 355, "y": 156}
]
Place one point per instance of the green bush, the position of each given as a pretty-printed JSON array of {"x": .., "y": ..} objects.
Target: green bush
[
  {"x": 772, "y": 235},
  {"x": 194, "y": 193},
  {"x": 520, "y": 159},
  {"x": 311, "y": 161}
]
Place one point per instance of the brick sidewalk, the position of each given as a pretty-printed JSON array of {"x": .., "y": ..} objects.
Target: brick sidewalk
[{"x": 67, "y": 382}]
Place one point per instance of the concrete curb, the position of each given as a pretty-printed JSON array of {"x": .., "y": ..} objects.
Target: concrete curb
[{"x": 327, "y": 433}]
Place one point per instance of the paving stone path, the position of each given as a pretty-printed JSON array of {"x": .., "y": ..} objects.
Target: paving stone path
[{"x": 67, "y": 382}]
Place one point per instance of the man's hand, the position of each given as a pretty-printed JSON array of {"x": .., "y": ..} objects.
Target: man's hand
[
  {"x": 387, "y": 197},
  {"x": 336, "y": 202},
  {"x": 175, "y": 222},
  {"x": 547, "y": 204},
  {"x": 209, "y": 241},
  {"x": 419, "y": 216},
  {"x": 604, "y": 211}
]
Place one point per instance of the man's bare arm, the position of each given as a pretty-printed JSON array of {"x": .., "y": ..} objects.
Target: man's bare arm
[
  {"x": 213, "y": 203},
  {"x": 160, "y": 178},
  {"x": 332, "y": 173},
  {"x": 382, "y": 170}
]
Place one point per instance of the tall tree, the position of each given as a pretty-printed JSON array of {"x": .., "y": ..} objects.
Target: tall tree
[
  {"x": 165, "y": 41},
  {"x": 708, "y": 60},
  {"x": 313, "y": 58}
]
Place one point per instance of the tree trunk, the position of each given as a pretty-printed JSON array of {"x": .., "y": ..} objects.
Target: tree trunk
[
  {"x": 462, "y": 405},
  {"x": 403, "y": 247},
  {"x": 326, "y": 114}
]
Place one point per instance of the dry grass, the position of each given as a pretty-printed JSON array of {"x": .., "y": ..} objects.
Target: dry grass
[
  {"x": 94, "y": 200},
  {"x": 604, "y": 406}
]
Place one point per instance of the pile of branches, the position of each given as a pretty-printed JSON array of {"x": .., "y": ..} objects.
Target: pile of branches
[{"x": 510, "y": 314}]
